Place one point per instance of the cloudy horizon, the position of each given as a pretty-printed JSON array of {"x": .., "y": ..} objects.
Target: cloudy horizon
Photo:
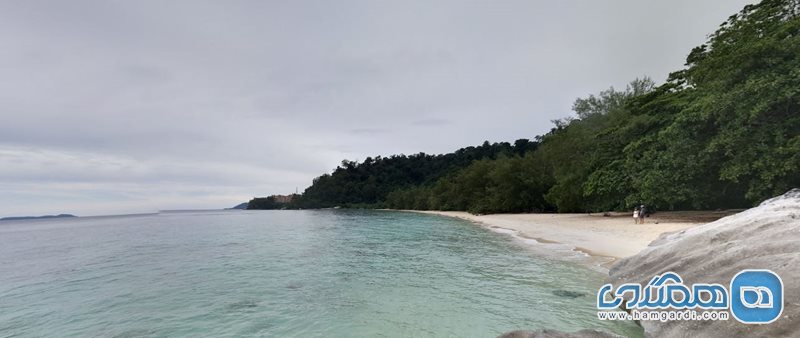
[{"x": 113, "y": 107}]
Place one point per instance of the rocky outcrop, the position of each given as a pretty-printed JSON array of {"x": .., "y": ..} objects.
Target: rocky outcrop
[
  {"x": 764, "y": 237},
  {"x": 557, "y": 334}
]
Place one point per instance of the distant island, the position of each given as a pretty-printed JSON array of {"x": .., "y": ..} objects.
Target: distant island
[{"x": 19, "y": 218}]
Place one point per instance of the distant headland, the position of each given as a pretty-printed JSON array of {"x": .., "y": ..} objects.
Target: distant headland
[
  {"x": 240, "y": 206},
  {"x": 19, "y": 218},
  {"x": 270, "y": 203}
]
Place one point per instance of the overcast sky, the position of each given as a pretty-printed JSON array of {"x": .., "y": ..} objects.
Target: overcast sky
[{"x": 114, "y": 107}]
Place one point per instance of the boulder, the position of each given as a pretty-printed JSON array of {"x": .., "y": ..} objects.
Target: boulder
[{"x": 764, "y": 237}]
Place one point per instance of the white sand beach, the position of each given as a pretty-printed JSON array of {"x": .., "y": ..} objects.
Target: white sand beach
[{"x": 614, "y": 236}]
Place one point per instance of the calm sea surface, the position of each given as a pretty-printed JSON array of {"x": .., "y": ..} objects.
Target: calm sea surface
[{"x": 326, "y": 273}]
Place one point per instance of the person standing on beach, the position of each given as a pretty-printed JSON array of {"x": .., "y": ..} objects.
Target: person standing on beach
[
  {"x": 636, "y": 215},
  {"x": 642, "y": 214}
]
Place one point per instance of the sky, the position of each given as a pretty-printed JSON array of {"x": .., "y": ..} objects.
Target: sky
[{"x": 116, "y": 107}]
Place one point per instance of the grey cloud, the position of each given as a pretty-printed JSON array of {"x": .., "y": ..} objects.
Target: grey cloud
[
  {"x": 431, "y": 122},
  {"x": 369, "y": 131},
  {"x": 130, "y": 106}
]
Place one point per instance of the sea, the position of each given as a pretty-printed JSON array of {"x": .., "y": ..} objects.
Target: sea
[{"x": 285, "y": 273}]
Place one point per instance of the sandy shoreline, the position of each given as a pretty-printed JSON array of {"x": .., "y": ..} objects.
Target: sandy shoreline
[{"x": 608, "y": 238}]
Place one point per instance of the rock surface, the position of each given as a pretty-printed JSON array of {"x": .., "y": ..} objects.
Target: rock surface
[
  {"x": 557, "y": 334},
  {"x": 764, "y": 237}
]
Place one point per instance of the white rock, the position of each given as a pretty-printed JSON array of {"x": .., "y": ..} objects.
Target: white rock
[{"x": 764, "y": 237}]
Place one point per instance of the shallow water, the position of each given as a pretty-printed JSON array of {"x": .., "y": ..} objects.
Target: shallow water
[{"x": 331, "y": 273}]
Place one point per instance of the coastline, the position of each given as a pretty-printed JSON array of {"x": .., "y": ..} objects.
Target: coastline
[{"x": 604, "y": 239}]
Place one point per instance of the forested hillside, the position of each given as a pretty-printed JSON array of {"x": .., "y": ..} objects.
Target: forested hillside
[
  {"x": 724, "y": 132},
  {"x": 367, "y": 184}
]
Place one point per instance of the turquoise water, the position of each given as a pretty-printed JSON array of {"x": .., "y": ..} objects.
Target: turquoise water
[{"x": 325, "y": 273}]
